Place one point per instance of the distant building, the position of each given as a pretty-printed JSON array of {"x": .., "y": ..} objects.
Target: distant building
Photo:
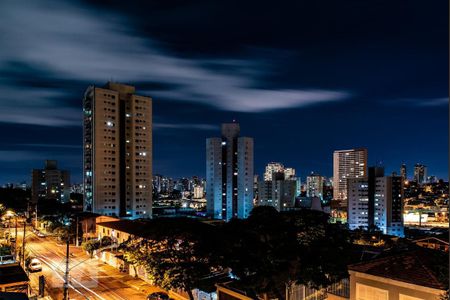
[
  {"x": 272, "y": 167},
  {"x": 281, "y": 191},
  {"x": 77, "y": 188},
  {"x": 117, "y": 164},
  {"x": 403, "y": 172},
  {"x": 229, "y": 174},
  {"x": 50, "y": 183},
  {"x": 198, "y": 192},
  {"x": 314, "y": 185},
  {"x": 420, "y": 173},
  {"x": 347, "y": 164},
  {"x": 289, "y": 173},
  {"x": 157, "y": 183}
]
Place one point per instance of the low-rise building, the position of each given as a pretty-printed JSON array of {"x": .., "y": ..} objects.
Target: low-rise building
[
  {"x": 411, "y": 275},
  {"x": 13, "y": 278},
  {"x": 431, "y": 242}
]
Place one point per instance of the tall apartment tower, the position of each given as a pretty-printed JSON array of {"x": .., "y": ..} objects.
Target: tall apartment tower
[
  {"x": 389, "y": 205},
  {"x": 229, "y": 174},
  {"x": 314, "y": 186},
  {"x": 50, "y": 183},
  {"x": 273, "y": 167},
  {"x": 347, "y": 164},
  {"x": 403, "y": 172},
  {"x": 420, "y": 173},
  {"x": 117, "y": 164},
  {"x": 361, "y": 199}
]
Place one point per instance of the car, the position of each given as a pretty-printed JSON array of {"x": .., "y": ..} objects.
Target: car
[
  {"x": 158, "y": 296},
  {"x": 40, "y": 234},
  {"x": 12, "y": 240},
  {"x": 35, "y": 265}
]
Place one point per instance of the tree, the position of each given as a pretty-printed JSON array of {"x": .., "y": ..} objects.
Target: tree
[
  {"x": 270, "y": 250},
  {"x": 134, "y": 252},
  {"x": 180, "y": 253},
  {"x": 90, "y": 246}
]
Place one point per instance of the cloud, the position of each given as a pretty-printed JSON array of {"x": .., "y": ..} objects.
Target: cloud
[
  {"x": 63, "y": 146},
  {"x": 185, "y": 126},
  {"x": 431, "y": 102},
  {"x": 75, "y": 44}
]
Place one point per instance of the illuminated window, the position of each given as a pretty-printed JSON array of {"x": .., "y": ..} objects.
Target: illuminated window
[{"x": 365, "y": 292}]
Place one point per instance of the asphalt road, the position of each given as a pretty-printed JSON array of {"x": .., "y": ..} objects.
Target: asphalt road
[{"x": 89, "y": 278}]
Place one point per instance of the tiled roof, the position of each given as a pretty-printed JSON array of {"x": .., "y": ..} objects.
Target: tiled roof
[
  {"x": 421, "y": 267},
  {"x": 137, "y": 228}
]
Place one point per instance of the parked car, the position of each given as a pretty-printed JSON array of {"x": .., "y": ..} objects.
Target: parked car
[
  {"x": 12, "y": 239},
  {"x": 35, "y": 265},
  {"x": 40, "y": 234},
  {"x": 158, "y": 296}
]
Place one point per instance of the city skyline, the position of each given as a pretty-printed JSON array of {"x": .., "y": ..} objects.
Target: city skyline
[{"x": 300, "y": 98}]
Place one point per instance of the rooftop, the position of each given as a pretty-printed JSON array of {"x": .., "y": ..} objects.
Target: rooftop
[
  {"x": 12, "y": 273},
  {"x": 420, "y": 266}
]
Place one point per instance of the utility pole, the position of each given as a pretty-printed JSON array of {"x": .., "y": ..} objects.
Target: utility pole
[
  {"x": 66, "y": 274},
  {"x": 15, "y": 244},
  {"x": 36, "y": 226},
  {"x": 76, "y": 235},
  {"x": 23, "y": 243}
]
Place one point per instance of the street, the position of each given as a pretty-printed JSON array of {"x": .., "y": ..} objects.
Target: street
[{"x": 89, "y": 278}]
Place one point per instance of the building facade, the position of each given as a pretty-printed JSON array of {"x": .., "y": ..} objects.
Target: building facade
[
  {"x": 376, "y": 201},
  {"x": 347, "y": 164},
  {"x": 403, "y": 172},
  {"x": 314, "y": 185},
  {"x": 272, "y": 167},
  {"x": 358, "y": 203},
  {"x": 229, "y": 174},
  {"x": 50, "y": 183},
  {"x": 420, "y": 173},
  {"x": 388, "y": 215},
  {"x": 117, "y": 164}
]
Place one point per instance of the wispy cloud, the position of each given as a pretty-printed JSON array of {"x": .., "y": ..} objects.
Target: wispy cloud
[
  {"x": 60, "y": 146},
  {"x": 421, "y": 102},
  {"x": 431, "y": 102},
  {"x": 76, "y": 44},
  {"x": 185, "y": 126}
]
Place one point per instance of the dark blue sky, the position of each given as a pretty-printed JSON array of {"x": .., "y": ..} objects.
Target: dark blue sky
[{"x": 302, "y": 78}]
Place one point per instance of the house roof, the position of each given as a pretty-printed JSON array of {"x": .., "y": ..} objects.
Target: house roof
[
  {"x": 440, "y": 238},
  {"x": 12, "y": 273},
  {"x": 423, "y": 267},
  {"x": 137, "y": 228}
]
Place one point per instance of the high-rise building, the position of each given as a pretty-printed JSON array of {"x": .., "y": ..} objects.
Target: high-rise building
[
  {"x": 361, "y": 199},
  {"x": 420, "y": 173},
  {"x": 347, "y": 164},
  {"x": 376, "y": 201},
  {"x": 389, "y": 205},
  {"x": 229, "y": 174},
  {"x": 198, "y": 192},
  {"x": 117, "y": 163},
  {"x": 273, "y": 167},
  {"x": 403, "y": 172},
  {"x": 50, "y": 183},
  {"x": 358, "y": 203},
  {"x": 314, "y": 186},
  {"x": 280, "y": 192},
  {"x": 289, "y": 173}
]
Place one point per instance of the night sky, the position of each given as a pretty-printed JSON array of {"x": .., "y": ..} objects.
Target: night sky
[{"x": 304, "y": 78}]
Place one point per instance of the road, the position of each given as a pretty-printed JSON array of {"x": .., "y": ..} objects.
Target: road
[{"x": 89, "y": 278}]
